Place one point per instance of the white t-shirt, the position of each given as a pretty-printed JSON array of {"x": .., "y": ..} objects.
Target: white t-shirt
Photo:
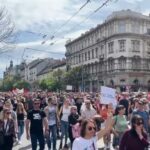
[
  {"x": 85, "y": 144},
  {"x": 65, "y": 114},
  {"x": 52, "y": 116}
]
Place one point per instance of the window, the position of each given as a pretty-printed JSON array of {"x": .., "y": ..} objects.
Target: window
[
  {"x": 110, "y": 29},
  {"x": 122, "y": 63},
  {"x": 79, "y": 58},
  {"x": 82, "y": 57},
  {"x": 121, "y": 27},
  {"x": 88, "y": 41},
  {"x": 135, "y": 27},
  {"x": 135, "y": 45},
  {"x": 148, "y": 31},
  {"x": 96, "y": 52},
  {"x": 85, "y": 56},
  {"x": 92, "y": 68},
  {"x": 136, "y": 63},
  {"x": 111, "y": 65},
  {"x": 101, "y": 49},
  {"x": 92, "y": 53},
  {"x": 110, "y": 47},
  {"x": 88, "y": 55},
  {"x": 148, "y": 47},
  {"x": 122, "y": 45}
]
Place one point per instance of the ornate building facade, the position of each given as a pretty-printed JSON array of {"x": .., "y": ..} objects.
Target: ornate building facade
[{"x": 115, "y": 53}]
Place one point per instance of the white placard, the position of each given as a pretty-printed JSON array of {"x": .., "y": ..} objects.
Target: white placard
[
  {"x": 69, "y": 87},
  {"x": 108, "y": 95}
]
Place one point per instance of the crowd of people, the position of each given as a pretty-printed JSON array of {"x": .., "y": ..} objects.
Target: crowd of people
[{"x": 78, "y": 120}]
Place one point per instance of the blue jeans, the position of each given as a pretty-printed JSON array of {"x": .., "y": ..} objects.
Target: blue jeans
[
  {"x": 20, "y": 128},
  {"x": 40, "y": 139},
  {"x": 52, "y": 136},
  {"x": 64, "y": 130}
]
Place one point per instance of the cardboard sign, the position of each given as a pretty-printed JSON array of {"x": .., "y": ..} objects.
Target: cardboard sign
[
  {"x": 69, "y": 87},
  {"x": 108, "y": 95}
]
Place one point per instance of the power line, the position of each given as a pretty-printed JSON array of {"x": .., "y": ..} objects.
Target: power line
[
  {"x": 37, "y": 33},
  {"x": 96, "y": 10},
  {"x": 66, "y": 22},
  {"x": 56, "y": 53}
]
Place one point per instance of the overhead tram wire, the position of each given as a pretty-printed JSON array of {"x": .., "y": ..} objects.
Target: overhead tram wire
[
  {"x": 39, "y": 50},
  {"x": 37, "y": 33},
  {"x": 64, "y": 24},
  {"x": 56, "y": 53},
  {"x": 73, "y": 16},
  {"x": 96, "y": 10},
  {"x": 53, "y": 35}
]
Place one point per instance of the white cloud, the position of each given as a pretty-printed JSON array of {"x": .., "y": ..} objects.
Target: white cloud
[
  {"x": 28, "y": 12},
  {"x": 133, "y": 1}
]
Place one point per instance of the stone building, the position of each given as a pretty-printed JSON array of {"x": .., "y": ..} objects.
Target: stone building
[{"x": 115, "y": 53}]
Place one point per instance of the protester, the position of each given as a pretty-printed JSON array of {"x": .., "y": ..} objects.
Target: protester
[
  {"x": 105, "y": 112},
  {"x": 136, "y": 137},
  {"x": 143, "y": 113},
  {"x": 52, "y": 115},
  {"x": 120, "y": 125},
  {"x": 7, "y": 129},
  {"x": 69, "y": 118},
  {"x": 124, "y": 101},
  {"x": 87, "y": 111},
  {"x": 21, "y": 113},
  {"x": 88, "y": 136},
  {"x": 64, "y": 112},
  {"x": 8, "y": 105},
  {"x": 36, "y": 121},
  {"x": 73, "y": 119}
]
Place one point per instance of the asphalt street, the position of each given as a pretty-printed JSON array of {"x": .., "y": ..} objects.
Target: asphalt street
[{"x": 26, "y": 144}]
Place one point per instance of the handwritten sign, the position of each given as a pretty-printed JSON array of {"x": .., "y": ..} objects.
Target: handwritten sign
[{"x": 108, "y": 95}]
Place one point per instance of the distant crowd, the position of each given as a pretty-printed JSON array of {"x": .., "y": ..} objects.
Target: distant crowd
[{"x": 78, "y": 120}]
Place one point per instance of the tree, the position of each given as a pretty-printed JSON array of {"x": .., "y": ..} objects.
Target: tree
[
  {"x": 8, "y": 83},
  {"x": 43, "y": 84},
  {"x": 59, "y": 77},
  {"x": 6, "y": 30},
  {"x": 11, "y": 82},
  {"x": 54, "y": 82},
  {"x": 74, "y": 77},
  {"x": 21, "y": 84}
]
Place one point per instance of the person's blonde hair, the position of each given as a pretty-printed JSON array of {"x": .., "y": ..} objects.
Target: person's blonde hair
[
  {"x": 22, "y": 108},
  {"x": 4, "y": 111},
  {"x": 8, "y": 102}
]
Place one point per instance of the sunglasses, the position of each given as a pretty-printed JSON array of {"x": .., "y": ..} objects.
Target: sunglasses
[
  {"x": 139, "y": 123},
  {"x": 36, "y": 103},
  {"x": 8, "y": 112},
  {"x": 87, "y": 103},
  {"x": 91, "y": 128}
]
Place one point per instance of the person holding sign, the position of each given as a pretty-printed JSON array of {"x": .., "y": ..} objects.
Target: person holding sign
[
  {"x": 88, "y": 136},
  {"x": 107, "y": 112}
]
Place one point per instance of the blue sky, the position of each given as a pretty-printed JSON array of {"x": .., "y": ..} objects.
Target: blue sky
[{"x": 35, "y": 18}]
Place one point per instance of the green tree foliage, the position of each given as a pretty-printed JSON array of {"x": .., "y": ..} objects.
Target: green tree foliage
[
  {"x": 21, "y": 84},
  {"x": 11, "y": 82},
  {"x": 54, "y": 82},
  {"x": 8, "y": 83},
  {"x": 74, "y": 77}
]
